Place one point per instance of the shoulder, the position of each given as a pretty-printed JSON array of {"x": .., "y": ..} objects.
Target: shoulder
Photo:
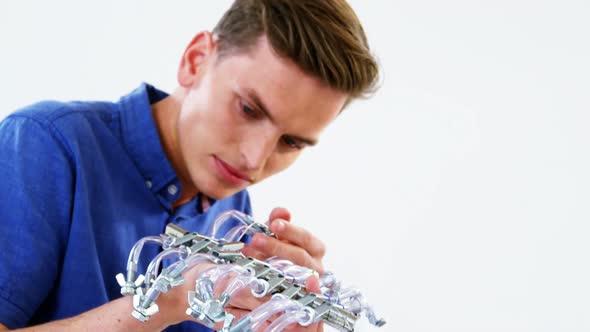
[
  {"x": 28, "y": 141},
  {"x": 48, "y": 113},
  {"x": 62, "y": 121}
]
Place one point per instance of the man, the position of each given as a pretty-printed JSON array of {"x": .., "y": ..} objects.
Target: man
[{"x": 81, "y": 182}]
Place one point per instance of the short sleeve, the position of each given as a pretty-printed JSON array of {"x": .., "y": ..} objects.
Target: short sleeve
[{"x": 36, "y": 202}]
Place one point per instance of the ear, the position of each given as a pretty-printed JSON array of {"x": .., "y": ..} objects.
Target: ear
[{"x": 201, "y": 48}]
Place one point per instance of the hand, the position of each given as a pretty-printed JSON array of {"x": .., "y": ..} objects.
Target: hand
[
  {"x": 293, "y": 243},
  {"x": 243, "y": 303},
  {"x": 174, "y": 302}
]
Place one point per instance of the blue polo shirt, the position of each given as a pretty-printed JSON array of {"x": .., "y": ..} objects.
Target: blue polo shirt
[{"x": 80, "y": 183}]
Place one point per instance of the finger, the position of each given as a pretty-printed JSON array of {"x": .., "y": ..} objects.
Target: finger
[
  {"x": 279, "y": 213},
  {"x": 320, "y": 327},
  {"x": 297, "y": 255},
  {"x": 239, "y": 314},
  {"x": 250, "y": 251},
  {"x": 244, "y": 299},
  {"x": 298, "y": 236},
  {"x": 312, "y": 284}
]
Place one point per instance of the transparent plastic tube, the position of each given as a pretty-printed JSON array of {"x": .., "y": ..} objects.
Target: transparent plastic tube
[
  {"x": 348, "y": 294},
  {"x": 329, "y": 286},
  {"x": 278, "y": 263},
  {"x": 154, "y": 266},
  {"x": 298, "y": 274},
  {"x": 302, "y": 317},
  {"x": 278, "y": 303},
  {"x": 217, "y": 272},
  {"x": 224, "y": 218},
  {"x": 259, "y": 287},
  {"x": 191, "y": 261},
  {"x": 328, "y": 280},
  {"x": 135, "y": 252},
  {"x": 236, "y": 233},
  {"x": 352, "y": 300},
  {"x": 297, "y": 270},
  {"x": 207, "y": 280}
]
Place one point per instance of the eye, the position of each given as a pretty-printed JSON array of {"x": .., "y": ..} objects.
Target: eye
[
  {"x": 248, "y": 111},
  {"x": 292, "y": 143}
]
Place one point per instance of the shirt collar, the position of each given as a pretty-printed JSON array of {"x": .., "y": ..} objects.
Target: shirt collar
[{"x": 141, "y": 137}]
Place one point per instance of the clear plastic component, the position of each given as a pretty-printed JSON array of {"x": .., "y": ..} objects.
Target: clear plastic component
[
  {"x": 297, "y": 274},
  {"x": 236, "y": 233},
  {"x": 246, "y": 226},
  {"x": 193, "y": 260},
  {"x": 353, "y": 300},
  {"x": 154, "y": 266},
  {"x": 136, "y": 250},
  {"x": 302, "y": 317},
  {"x": 259, "y": 286},
  {"x": 233, "y": 272},
  {"x": 277, "y": 304},
  {"x": 216, "y": 273}
]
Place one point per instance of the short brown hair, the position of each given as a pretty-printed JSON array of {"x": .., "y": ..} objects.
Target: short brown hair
[{"x": 323, "y": 37}]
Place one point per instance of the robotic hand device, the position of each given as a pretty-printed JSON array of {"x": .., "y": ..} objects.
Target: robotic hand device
[{"x": 284, "y": 281}]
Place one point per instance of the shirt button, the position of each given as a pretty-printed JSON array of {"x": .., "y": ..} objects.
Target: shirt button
[
  {"x": 148, "y": 183},
  {"x": 172, "y": 189}
]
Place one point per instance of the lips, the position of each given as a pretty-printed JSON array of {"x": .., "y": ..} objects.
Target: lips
[{"x": 230, "y": 174}]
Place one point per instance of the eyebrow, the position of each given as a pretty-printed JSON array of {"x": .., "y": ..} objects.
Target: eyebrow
[{"x": 253, "y": 96}]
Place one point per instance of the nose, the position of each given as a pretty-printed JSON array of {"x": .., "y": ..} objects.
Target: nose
[{"x": 257, "y": 148}]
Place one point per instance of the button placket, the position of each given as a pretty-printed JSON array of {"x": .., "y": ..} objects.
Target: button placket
[{"x": 172, "y": 189}]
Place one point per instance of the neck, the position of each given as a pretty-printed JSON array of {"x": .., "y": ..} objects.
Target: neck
[{"x": 165, "y": 113}]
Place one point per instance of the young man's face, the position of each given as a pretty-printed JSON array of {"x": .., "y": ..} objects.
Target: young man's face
[{"x": 248, "y": 116}]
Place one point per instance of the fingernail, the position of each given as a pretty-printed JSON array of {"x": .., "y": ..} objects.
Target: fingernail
[{"x": 279, "y": 225}]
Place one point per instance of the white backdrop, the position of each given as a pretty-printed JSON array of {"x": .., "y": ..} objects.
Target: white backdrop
[{"x": 456, "y": 198}]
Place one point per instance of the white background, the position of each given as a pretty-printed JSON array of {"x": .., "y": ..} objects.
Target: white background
[{"x": 456, "y": 198}]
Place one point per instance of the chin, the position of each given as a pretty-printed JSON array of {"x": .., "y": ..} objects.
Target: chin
[
  {"x": 212, "y": 187},
  {"x": 218, "y": 192}
]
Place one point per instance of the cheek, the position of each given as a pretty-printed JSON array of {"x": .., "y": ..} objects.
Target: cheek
[
  {"x": 278, "y": 162},
  {"x": 205, "y": 120}
]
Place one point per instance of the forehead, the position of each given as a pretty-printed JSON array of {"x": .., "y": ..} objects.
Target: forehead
[{"x": 288, "y": 93}]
